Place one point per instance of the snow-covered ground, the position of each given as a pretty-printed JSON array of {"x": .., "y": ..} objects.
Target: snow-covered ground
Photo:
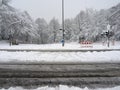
[
  {"x": 108, "y": 56},
  {"x": 61, "y": 87},
  {"x": 58, "y": 46},
  {"x": 73, "y": 57}
]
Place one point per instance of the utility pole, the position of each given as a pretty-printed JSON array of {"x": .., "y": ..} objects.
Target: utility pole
[
  {"x": 108, "y": 35},
  {"x": 63, "y": 30}
]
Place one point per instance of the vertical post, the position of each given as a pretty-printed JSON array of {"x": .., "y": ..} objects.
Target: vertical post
[
  {"x": 10, "y": 37},
  {"x": 63, "y": 43},
  {"x": 108, "y": 33},
  {"x": 108, "y": 39}
]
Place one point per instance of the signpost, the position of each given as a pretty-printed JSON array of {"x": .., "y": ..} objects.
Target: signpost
[{"x": 63, "y": 30}]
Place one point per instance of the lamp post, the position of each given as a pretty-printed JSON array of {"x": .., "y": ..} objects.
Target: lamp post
[{"x": 63, "y": 30}]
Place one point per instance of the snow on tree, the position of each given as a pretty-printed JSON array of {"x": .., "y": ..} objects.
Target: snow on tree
[
  {"x": 5, "y": 2},
  {"x": 27, "y": 28},
  {"x": 54, "y": 32},
  {"x": 69, "y": 30},
  {"x": 87, "y": 25},
  {"x": 79, "y": 24},
  {"x": 18, "y": 24},
  {"x": 42, "y": 30},
  {"x": 90, "y": 24},
  {"x": 115, "y": 20}
]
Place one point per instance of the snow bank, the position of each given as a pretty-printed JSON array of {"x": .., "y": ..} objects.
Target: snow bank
[
  {"x": 61, "y": 87},
  {"x": 74, "y": 45},
  {"x": 108, "y": 56}
]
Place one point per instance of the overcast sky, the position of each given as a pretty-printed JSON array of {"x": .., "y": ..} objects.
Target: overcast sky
[{"x": 52, "y": 8}]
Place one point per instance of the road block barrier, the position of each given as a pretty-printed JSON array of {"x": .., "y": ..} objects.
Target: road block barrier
[{"x": 86, "y": 44}]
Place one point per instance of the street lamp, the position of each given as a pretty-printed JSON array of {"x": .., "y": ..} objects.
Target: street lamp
[{"x": 63, "y": 30}]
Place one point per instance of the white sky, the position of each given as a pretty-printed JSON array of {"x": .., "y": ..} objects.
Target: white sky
[{"x": 52, "y": 8}]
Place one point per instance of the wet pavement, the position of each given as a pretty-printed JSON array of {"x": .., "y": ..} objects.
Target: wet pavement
[{"x": 82, "y": 75}]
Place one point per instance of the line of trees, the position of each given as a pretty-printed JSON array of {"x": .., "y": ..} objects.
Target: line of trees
[{"x": 87, "y": 25}]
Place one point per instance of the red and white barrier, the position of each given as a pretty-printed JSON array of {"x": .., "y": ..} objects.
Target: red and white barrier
[{"x": 86, "y": 44}]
